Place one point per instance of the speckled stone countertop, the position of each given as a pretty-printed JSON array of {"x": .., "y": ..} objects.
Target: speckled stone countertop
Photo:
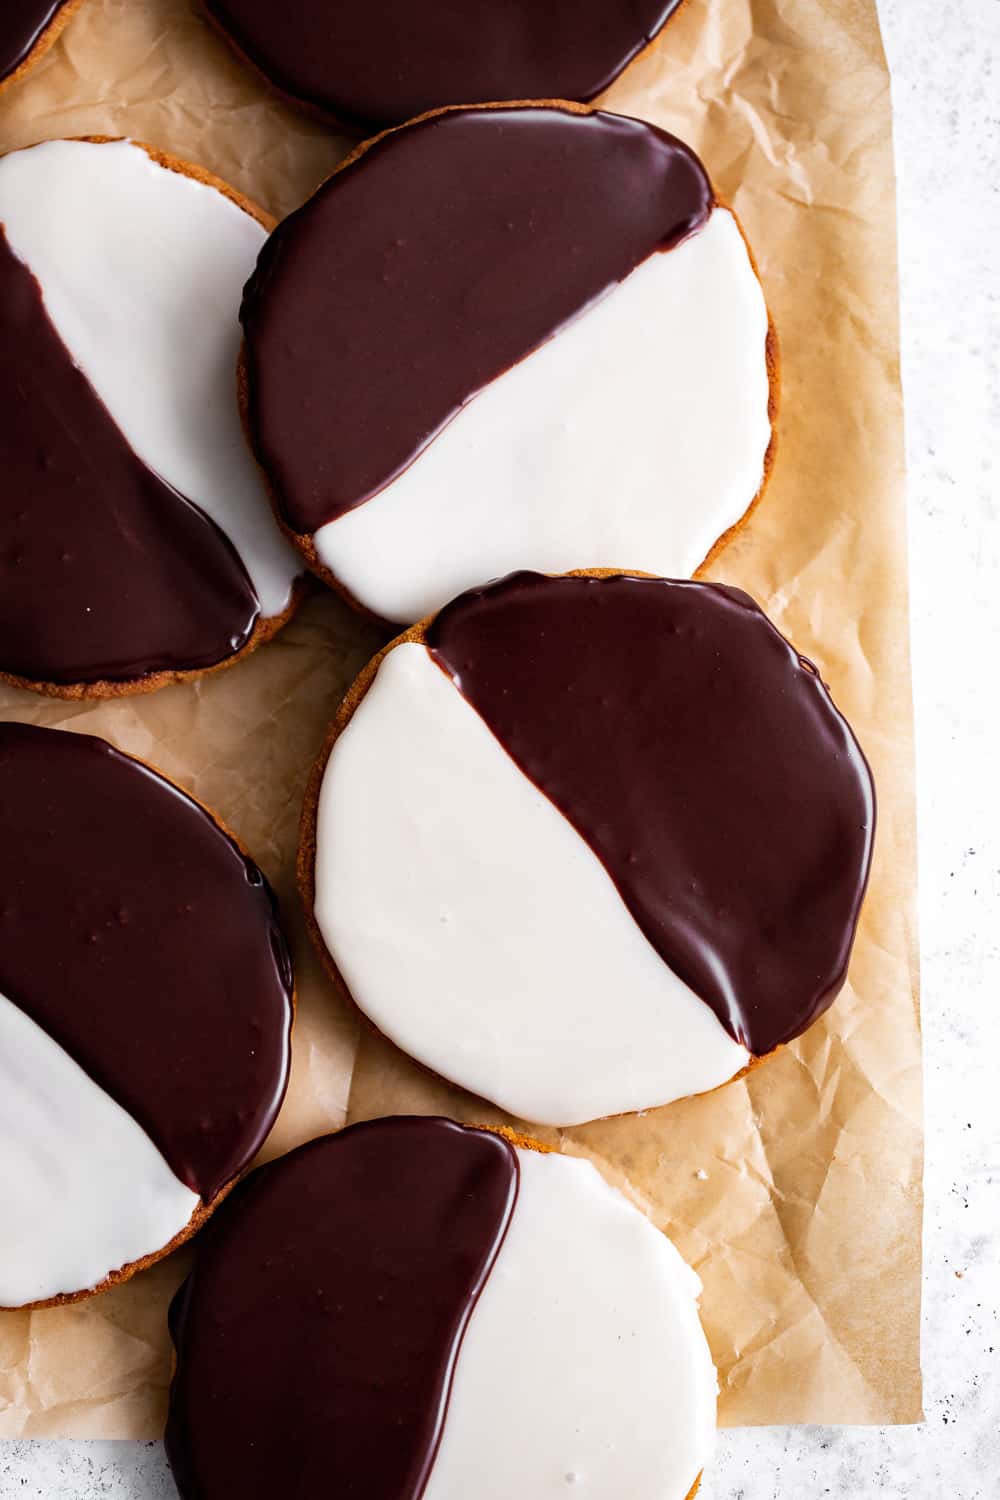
[{"x": 945, "y": 59}]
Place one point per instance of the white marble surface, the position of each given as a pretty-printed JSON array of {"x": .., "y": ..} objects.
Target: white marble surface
[{"x": 945, "y": 57}]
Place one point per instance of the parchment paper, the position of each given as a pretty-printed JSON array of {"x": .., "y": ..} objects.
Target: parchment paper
[{"x": 796, "y": 1194}]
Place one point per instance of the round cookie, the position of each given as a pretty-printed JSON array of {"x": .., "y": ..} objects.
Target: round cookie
[
  {"x": 137, "y": 545},
  {"x": 586, "y": 845},
  {"x": 384, "y": 61},
  {"x": 508, "y": 337},
  {"x": 28, "y": 28},
  {"x": 146, "y": 1002},
  {"x": 415, "y": 1308}
]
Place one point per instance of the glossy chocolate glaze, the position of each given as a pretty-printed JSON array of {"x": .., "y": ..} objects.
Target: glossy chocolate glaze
[
  {"x": 21, "y": 24},
  {"x": 105, "y": 571},
  {"x": 317, "y": 1335},
  {"x": 441, "y": 257},
  {"x": 140, "y": 938},
  {"x": 703, "y": 761},
  {"x": 379, "y": 62}
]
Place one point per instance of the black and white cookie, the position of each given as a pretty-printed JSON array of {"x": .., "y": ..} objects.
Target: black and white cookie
[
  {"x": 416, "y": 1310},
  {"x": 587, "y": 845},
  {"x": 136, "y": 540},
  {"x": 502, "y": 338},
  {"x": 378, "y": 62},
  {"x": 145, "y": 1011}
]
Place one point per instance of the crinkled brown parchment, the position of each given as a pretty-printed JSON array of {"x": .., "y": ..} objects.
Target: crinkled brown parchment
[{"x": 795, "y": 1193}]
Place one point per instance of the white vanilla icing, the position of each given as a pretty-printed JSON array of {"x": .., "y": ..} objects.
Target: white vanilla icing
[
  {"x": 480, "y": 932},
  {"x": 634, "y": 438},
  {"x": 141, "y": 271},
  {"x": 584, "y": 1373},
  {"x": 83, "y": 1190}
]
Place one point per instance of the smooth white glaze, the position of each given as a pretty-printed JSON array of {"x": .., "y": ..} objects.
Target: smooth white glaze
[
  {"x": 83, "y": 1190},
  {"x": 141, "y": 271},
  {"x": 480, "y": 932},
  {"x": 584, "y": 1373},
  {"x": 634, "y": 438}
]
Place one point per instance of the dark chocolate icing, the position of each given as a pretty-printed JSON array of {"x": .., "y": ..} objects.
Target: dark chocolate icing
[
  {"x": 140, "y": 938},
  {"x": 703, "y": 761},
  {"x": 383, "y": 61},
  {"x": 21, "y": 25},
  {"x": 317, "y": 1335},
  {"x": 105, "y": 571},
  {"x": 441, "y": 257}
]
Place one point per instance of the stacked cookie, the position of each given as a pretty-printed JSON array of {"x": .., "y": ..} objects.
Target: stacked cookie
[{"x": 588, "y": 835}]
